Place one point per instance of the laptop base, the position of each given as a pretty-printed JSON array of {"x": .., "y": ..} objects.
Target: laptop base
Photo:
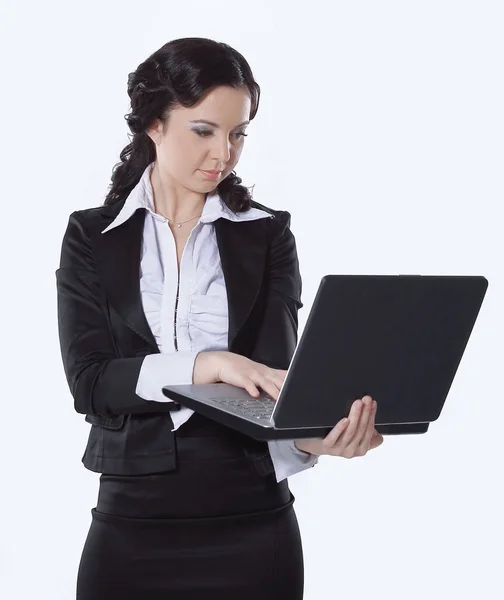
[{"x": 263, "y": 433}]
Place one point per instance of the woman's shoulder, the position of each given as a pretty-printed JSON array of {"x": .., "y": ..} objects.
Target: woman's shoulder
[
  {"x": 282, "y": 217},
  {"x": 94, "y": 216}
]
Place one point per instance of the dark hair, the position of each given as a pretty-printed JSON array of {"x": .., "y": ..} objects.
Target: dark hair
[{"x": 180, "y": 72}]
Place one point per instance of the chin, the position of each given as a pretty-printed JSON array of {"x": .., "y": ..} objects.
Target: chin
[
  {"x": 205, "y": 190},
  {"x": 210, "y": 185}
]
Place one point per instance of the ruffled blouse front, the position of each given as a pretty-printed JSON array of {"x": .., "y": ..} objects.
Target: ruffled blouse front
[{"x": 202, "y": 310}]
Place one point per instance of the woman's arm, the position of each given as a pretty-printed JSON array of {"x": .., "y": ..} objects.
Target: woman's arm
[
  {"x": 100, "y": 382},
  {"x": 276, "y": 336},
  {"x": 277, "y": 333}
]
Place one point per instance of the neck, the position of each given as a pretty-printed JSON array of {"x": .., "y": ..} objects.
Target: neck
[{"x": 172, "y": 201}]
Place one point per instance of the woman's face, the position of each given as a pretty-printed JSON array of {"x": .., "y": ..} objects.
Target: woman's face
[{"x": 188, "y": 147}]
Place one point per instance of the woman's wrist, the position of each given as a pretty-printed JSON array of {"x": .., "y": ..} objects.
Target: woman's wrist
[
  {"x": 297, "y": 444},
  {"x": 204, "y": 368}
]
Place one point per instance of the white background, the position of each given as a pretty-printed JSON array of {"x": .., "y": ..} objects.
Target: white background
[{"x": 380, "y": 129}]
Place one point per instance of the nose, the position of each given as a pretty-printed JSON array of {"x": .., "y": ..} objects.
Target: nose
[{"x": 221, "y": 151}]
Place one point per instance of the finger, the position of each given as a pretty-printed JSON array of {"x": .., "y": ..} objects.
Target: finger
[
  {"x": 277, "y": 376},
  {"x": 352, "y": 444},
  {"x": 267, "y": 385},
  {"x": 252, "y": 382},
  {"x": 353, "y": 417},
  {"x": 366, "y": 439},
  {"x": 277, "y": 387},
  {"x": 281, "y": 372},
  {"x": 249, "y": 386},
  {"x": 333, "y": 436},
  {"x": 364, "y": 418}
]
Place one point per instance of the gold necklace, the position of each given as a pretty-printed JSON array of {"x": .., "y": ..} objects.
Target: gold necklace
[{"x": 181, "y": 222}]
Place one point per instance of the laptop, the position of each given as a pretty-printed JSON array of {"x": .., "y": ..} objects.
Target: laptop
[{"x": 398, "y": 338}]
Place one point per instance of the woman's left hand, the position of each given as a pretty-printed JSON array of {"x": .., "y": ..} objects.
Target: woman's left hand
[{"x": 351, "y": 437}]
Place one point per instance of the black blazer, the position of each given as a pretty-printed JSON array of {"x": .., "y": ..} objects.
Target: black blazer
[{"x": 104, "y": 334}]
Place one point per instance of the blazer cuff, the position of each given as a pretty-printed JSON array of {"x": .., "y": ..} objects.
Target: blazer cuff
[{"x": 158, "y": 370}]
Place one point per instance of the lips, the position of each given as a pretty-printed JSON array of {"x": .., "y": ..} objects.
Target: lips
[{"x": 212, "y": 175}]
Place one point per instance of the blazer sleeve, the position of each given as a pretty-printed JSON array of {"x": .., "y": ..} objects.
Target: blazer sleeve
[
  {"x": 99, "y": 381},
  {"x": 277, "y": 335}
]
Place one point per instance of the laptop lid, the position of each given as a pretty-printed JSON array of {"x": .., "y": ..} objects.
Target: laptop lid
[{"x": 398, "y": 338}]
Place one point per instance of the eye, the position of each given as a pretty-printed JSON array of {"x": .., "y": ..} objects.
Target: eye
[{"x": 206, "y": 133}]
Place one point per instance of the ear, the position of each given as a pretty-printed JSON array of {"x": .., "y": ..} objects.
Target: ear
[{"x": 155, "y": 131}]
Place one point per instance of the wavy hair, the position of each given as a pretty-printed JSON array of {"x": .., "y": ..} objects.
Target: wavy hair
[{"x": 180, "y": 73}]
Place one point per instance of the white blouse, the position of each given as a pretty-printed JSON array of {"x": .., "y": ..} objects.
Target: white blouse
[{"x": 201, "y": 322}]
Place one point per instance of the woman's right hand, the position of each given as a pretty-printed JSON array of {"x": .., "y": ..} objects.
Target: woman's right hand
[{"x": 221, "y": 366}]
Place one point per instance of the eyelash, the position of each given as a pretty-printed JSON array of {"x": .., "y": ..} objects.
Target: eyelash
[{"x": 203, "y": 132}]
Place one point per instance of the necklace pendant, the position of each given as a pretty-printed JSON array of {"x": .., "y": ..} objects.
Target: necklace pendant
[{"x": 179, "y": 224}]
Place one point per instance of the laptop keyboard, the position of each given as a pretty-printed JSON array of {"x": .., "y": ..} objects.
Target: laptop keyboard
[{"x": 257, "y": 408}]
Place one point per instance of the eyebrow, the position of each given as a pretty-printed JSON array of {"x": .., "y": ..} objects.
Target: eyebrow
[{"x": 215, "y": 124}]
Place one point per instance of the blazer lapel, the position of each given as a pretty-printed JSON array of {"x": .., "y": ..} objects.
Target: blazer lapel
[
  {"x": 242, "y": 248},
  {"x": 118, "y": 263}
]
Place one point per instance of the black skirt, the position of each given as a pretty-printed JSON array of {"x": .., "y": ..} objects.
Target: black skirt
[{"x": 213, "y": 528}]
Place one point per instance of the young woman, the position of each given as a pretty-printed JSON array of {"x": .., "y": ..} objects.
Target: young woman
[{"x": 180, "y": 277}]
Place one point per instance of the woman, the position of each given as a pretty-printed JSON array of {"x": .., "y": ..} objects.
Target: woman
[{"x": 180, "y": 277}]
